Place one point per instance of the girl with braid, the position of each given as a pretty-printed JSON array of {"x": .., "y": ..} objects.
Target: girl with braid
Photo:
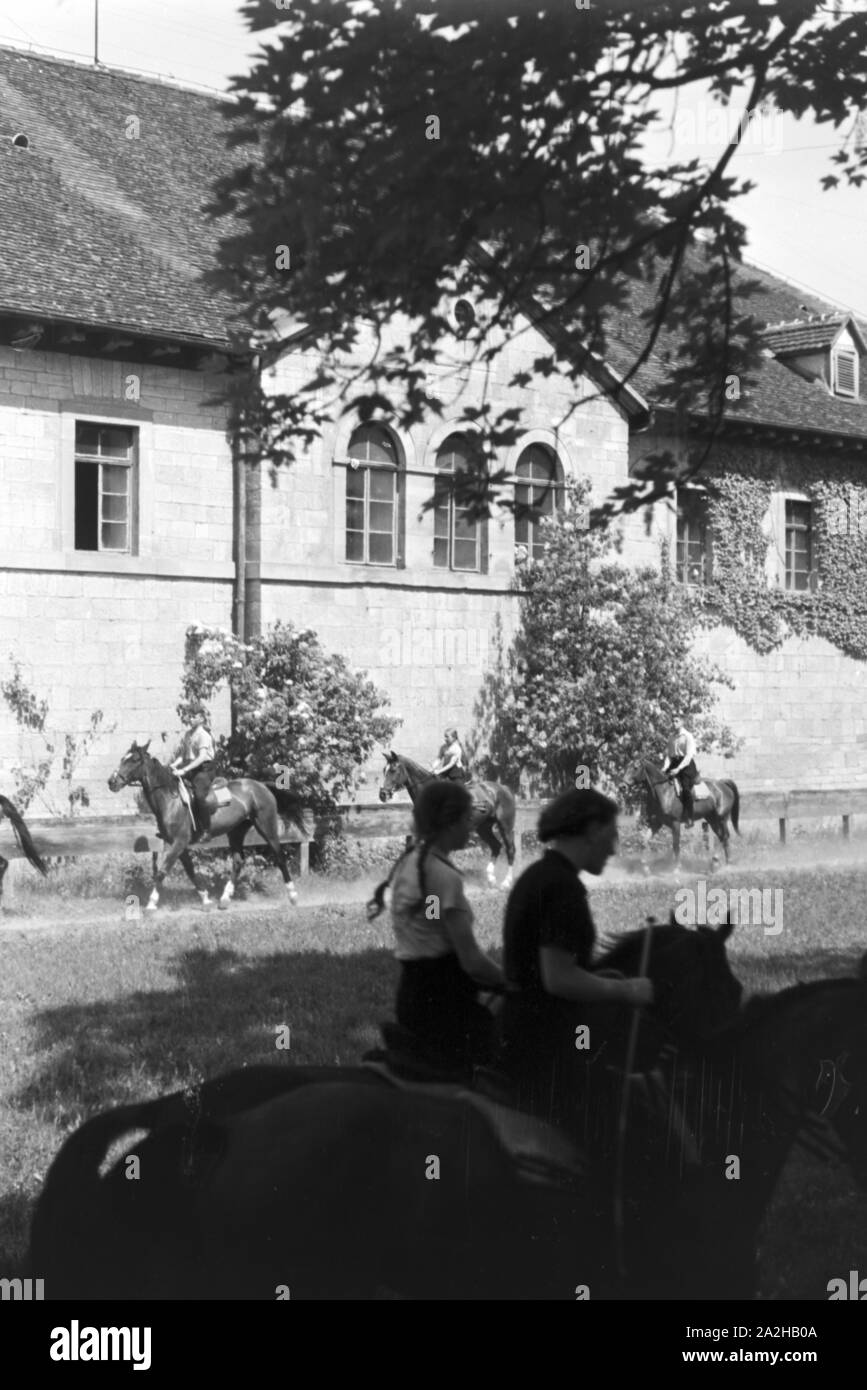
[{"x": 442, "y": 967}]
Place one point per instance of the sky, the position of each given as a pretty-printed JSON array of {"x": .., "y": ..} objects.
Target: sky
[{"x": 812, "y": 238}]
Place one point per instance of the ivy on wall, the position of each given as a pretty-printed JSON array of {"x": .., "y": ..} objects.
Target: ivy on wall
[{"x": 740, "y": 594}]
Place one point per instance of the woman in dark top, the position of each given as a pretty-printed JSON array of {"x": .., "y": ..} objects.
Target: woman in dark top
[{"x": 548, "y": 940}]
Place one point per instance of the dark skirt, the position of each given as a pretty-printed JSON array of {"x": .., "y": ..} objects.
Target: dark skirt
[{"x": 438, "y": 1002}]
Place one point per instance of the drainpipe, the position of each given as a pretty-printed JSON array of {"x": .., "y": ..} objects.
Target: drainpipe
[{"x": 252, "y": 469}]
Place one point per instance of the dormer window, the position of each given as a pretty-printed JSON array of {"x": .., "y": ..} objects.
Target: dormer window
[{"x": 844, "y": 372}]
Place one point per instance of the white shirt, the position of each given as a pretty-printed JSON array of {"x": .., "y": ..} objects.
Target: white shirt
[
  {"x": 419, "y": 936},
  {"x": 681, "y": 748}
]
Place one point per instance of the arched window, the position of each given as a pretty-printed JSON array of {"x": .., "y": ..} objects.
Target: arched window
[
  {"x": 458, "y": 541},
  {"x": 372, "y": 497},
  {"x": 541, "y": 491}
]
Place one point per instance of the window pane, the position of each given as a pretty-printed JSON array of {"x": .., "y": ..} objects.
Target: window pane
[
  {"x": 522, "y": 533},
  {"x": 115, "y": 478},
  {"x": 381, "y": 484},
  {"x": 381, "y": 549},
  {"x": 86, "y": 505},
  {"x": 355, "y": 482},
  {"x": 113, "y": 507},
  {"x": 381, "y": 516},
  {"x": 373, "y": 444},
  {"x": 113, "y": 535},
  {"x": 441, "y": 553},
  {"x": 115, "y": 442},
  {"x": 86, "y": 439},
  {"x": 354, "y": 545},
  {"x": 354, "y": 515},
  {"x": 441, "y": 522},
  {"x": 466, "y": 555}
]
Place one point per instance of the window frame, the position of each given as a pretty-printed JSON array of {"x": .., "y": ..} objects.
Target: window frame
[
  {"x": 798, "y": 500},
  {"x": 131, "y": 464},
  {"x": 839, "y": 355},
  {"x": 555, "y": 488},
  {"x": 697, "y": 495},
  {"x": 398, "y": 470},
  {"x": 481, "y": 567}
]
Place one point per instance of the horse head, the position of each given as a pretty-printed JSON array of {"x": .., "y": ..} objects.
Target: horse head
[
  {"x": 695, "y": 990},
  {"x": 131, "y": 768},
  {"x": 394, "y": 779}
]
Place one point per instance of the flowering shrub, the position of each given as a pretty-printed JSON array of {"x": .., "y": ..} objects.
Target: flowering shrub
[
  {"x": 599, "y": 670},
  {"x": 295, "y": 706}
]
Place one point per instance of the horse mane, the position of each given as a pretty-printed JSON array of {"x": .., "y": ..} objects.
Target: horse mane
[
  {"x": 626, "y": 950},
  {"x": 760, "y": 1007},
  {"x": 410, "y": 765},
  {"x": 160, "y": 775}
]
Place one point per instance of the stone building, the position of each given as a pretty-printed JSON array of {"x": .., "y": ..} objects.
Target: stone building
[{"x": 129, "y": 509}]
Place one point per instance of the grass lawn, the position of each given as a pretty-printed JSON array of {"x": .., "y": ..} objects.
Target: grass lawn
[{"x": 96, "y": 1011}]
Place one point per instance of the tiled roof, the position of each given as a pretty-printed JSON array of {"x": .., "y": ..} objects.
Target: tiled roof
[
  {"x": 780, "y": 397},
  {"x": 785, "y": 339},
  {"x": 100, "y": 228}
]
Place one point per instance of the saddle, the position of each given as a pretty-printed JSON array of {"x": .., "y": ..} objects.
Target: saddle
[{"x": 540, "y": 1153}]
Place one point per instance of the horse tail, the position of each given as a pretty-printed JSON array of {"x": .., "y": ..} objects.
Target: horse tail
[
  {"x": 736, "y": 802},
  {"x": 290, "y": 806},
  {"x": 22, "y": 834}
]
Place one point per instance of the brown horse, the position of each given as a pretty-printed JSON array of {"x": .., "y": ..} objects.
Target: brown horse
[
  {"x": 23, "y": 836},
  {"x": 664, "y": 807},
  {"x": 493, "y": 808},
  {"x": 251, "y": 805}
]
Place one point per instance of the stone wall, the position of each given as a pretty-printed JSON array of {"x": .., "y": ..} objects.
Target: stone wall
[{"x": 96, "y": 630}]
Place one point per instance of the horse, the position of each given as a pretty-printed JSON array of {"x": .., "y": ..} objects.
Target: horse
[
  {"x": 234, "y": 1200},
  {"x": 664, "y": 807},
  {"x": 493, "y": 808},
  {"x": 24, "y": 838},
  {"x": 253, "y": 805}
]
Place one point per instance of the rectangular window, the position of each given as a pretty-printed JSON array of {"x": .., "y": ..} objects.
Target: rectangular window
[
  {"x": 799, "y": 545},
  {"x": 371, "y": 515},
  {"x": 457, "y": 539},
  {"x": 104, "y": 487},
  {"x": 693, "y": 538}
]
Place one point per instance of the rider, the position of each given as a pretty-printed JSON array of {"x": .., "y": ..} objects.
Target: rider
[
  {"x": 198, "y": 759},
  {"x": 451, "y": 762},
  {"x": 680, "y": 762},
  {"x": 548, "y": 940},
  {"x": 442, "y": 967}
]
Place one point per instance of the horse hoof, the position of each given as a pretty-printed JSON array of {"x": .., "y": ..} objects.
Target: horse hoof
[
  {"x": 223, "y": 906},
  {"x": 293, "y": 897},
  {"x": 151, "y": 907}
]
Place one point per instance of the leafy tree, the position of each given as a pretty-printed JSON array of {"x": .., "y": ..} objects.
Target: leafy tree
[
  {"x": 395, "y": 152},
  {"x": 600, "y": 668},
  {"x": 299, "y": 711}
]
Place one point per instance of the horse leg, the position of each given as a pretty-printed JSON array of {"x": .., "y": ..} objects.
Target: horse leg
[
  {"x": 4, "y": 865},
  {"x": 720, "y": 829},
  {"x": 269, "y": 830},
  {"x": 189, "y": 868},
  {"x": 675, "y": 842},
  {"x": 507, "y": 834},
  {"x": 485, "y": 832},
  {"x": 236, "y": 845},
  {"x": 176, "y": 850}
]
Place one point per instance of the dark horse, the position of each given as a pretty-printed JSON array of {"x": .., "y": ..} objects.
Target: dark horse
[
  {"x": 252, "y": 805},
  {"x": 664, "y": 807},
  {"x": 24, "y": 838},
  {"x": 493, "y": 808},
  {"x": 237, "y": 1199}
]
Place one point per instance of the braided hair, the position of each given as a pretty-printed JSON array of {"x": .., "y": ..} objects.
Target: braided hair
[{"x": 438, "y": 806}]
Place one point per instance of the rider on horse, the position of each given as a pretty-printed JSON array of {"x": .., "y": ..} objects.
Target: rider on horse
[
  {"x": 680, "y": 763},
  {"x": 548, "y": 941},
  {"x": 443, "y": 969},
  {"x": 199, "y": 759},
  {"x": 451, "y": 762}
]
